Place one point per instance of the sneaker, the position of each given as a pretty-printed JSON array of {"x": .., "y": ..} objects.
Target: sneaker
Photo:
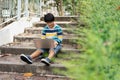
[
  {"x": 46, "y": 61},
  {"x": 26, "y": 58}
]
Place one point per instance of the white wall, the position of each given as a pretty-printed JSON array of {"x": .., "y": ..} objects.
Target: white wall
[
  {"x": 5, "y": 36},
  {"x": 7, "y": 33}
]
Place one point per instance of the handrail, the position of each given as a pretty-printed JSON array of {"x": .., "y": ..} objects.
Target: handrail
[
  {"x": 1, "y": 25},
  {"x": 8, "y": 20}
]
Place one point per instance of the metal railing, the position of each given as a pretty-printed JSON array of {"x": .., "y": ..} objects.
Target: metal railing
[
  {"x": 7, "y": 12},
  {"x": 11, "y": 10},
  {"x": 10, "y": 20},
  {"x": 8, "y": 9}
]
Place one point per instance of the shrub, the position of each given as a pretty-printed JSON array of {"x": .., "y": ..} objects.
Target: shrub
[{"x": 100, "y": 61}]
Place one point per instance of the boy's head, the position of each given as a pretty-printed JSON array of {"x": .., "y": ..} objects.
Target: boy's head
[{"x": 49, "y": 19}]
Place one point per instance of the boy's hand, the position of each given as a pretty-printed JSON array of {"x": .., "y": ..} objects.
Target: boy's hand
[{"x": 55, "y": 43}]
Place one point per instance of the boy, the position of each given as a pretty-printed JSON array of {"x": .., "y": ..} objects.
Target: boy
[{"x": 53, "y": 31}]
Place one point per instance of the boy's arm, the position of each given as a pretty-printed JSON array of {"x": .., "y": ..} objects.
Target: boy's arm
[
  {"x": 43, "y": 34},
  {"x": 60, "y": 36}
]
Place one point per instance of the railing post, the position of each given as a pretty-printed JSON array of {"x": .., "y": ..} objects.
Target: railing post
[
  {"x": 18, "y": 9},
  {"x": 40, "y": 8},
  {"x": 26, "y": 8}
]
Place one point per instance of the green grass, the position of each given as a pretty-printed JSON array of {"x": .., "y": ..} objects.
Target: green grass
[{"x": 101, "y": 59}]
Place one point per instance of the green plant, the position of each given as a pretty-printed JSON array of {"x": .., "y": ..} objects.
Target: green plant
[{"x": 100, "y": 61}]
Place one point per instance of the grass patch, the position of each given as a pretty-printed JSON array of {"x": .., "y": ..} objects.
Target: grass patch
[{"x": 100, "y": 61}]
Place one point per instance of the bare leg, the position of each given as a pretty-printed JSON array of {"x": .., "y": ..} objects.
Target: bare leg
[
  {"x": 35, "y": 54},
  {"x": 51, "y": 54}
]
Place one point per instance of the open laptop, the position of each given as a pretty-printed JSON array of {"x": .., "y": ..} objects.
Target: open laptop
[{"x": 44, "y": 43}]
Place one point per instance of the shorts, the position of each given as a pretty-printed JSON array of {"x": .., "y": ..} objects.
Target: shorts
[{"x": 56, "y": 49}]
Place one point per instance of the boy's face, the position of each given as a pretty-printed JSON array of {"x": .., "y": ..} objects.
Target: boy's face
[{"x": 50, "y": 24}]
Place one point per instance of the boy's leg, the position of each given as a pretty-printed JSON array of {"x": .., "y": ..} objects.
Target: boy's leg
[
  {"x": 35, "y": 54},
  {"x": 28, "y": 58},
  {"x": 52, "y": 52}
]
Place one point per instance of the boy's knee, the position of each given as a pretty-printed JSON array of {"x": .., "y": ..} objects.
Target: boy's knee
[
  {"x": 40, "y": 50},
  {"x": 52, "y": 50}
]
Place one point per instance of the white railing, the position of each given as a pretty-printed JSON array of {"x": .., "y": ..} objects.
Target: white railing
[{"x": 10, "y": 20}]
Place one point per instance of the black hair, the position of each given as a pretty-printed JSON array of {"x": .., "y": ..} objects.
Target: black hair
[{"x": 49, "y": 17}]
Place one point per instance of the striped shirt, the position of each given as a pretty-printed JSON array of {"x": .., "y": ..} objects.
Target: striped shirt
[{"x": 55, "y": 33}]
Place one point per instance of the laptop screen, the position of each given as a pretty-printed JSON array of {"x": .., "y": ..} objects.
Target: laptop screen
[{"x": 44, "y": 43}]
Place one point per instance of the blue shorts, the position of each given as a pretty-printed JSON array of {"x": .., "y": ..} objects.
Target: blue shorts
[{"x": 56, "y": 49}]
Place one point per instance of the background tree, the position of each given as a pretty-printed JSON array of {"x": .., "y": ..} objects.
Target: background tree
[
  {"x": 71, "y": 6},
  {"x": 59, "y": 4}
]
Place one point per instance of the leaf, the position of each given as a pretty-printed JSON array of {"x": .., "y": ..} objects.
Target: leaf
[{"x": 28, "y": 74}]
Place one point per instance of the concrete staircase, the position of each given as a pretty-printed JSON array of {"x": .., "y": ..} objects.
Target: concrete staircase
[{"x": 23, "y": 43}]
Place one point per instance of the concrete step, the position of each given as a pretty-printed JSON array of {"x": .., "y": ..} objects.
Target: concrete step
[
  {"x": 37, "y": 30},
  {"x": 28, "y": 48},
  {"x": 29, "y": 38},
  {"x": 63, "y": 24},
  {"x": 22, "y": 76},
  {"x": 64, "y": 18},
  {"x": 13, "y": 63}
]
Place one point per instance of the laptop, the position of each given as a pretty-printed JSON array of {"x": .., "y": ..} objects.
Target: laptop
[{"x": 44, "y": 43}]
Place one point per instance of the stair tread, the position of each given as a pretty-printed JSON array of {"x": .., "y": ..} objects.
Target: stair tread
[
  {"x": 13, "y": 63},
  {"x": 61, "y": 23},
  {"x": 32, "y": 46},
  {"x": 40, "y": 28},
  {"x": 70, "y": 16},
  {"x": 27, "y": 35},
  {"x": 15, "y": 59},
  {"x": 58, "y": 22}
]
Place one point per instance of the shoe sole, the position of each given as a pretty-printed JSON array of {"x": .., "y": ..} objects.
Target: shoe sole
[
  {"x": 25, "y": 59},
  {"x": 46, "y": 63}
]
